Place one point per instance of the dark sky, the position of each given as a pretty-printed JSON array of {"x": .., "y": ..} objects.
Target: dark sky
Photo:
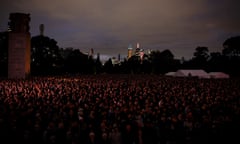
[{"x": 109, "y": 26}]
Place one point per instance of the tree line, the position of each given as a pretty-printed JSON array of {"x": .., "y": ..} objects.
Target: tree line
[{"x": 48, "y": 59}]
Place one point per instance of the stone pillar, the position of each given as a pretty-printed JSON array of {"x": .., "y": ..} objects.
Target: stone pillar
[{"x": 19, "y": 47}]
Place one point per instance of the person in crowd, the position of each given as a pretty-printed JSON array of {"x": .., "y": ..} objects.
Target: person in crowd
[{"x": 119, "y": 109}]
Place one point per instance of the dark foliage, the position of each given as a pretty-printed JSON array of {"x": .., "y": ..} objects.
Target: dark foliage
[
  {"x": 45, "y": 56},
  {"x": 232, "y": 46},
  {"x": 48, "y": 59}
]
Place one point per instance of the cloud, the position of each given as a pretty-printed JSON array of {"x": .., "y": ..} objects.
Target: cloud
[{"x": 110, "y": 25}]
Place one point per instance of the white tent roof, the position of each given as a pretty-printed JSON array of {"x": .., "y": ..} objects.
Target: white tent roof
[
  {"x": 170, "y": 74},
  {"x": 190, "y": 72},
  {"x": 218, "y": 75}
]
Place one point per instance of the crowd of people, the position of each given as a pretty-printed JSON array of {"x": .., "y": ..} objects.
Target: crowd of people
[{"x": 119, "y": 109}]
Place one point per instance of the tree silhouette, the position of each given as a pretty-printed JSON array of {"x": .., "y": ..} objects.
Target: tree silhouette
[
  {"x": 45, "y": 55},
  {"x": 231, "y": 54},
  {"x": 75, "y": 62},
  {"x": 134, "y": 64},
  {"x": 124, "y": 67},
  {"x": 98, "y": 65},
  {"x": 232, "y": 46},
  {"x": 216, "y": 62},
  {"x": 201, "y": 53},
  {"x": 72, "y": 62},
  {"x": 163, "y": 62},
  {"x": 155, "y": 58},
  {"x": 199, "y": 61},
  {"x": 108, "y": 66},
  {"x": 146, "y": 64}
]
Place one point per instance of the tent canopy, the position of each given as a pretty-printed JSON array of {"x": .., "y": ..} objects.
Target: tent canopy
[
  {"x": 170, "y": 74},
  {"x": 218, "y": 75},
  {"x": 192, "y": 72}
]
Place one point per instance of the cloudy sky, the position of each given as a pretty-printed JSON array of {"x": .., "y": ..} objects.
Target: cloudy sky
[{"x": 109, "y": 26}]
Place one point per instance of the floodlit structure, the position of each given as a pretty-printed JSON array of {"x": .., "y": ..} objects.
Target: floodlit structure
[{"x": 19, "y": 49}]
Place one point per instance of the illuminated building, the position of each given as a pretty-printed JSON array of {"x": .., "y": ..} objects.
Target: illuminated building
[
  {"x": 130, "y": 49},
  {"x": 19, "y": 50},
  {"x": 149, "y": 51},
  {"x": 141, "y": 54},
  {"x": 137, "y": 50}
]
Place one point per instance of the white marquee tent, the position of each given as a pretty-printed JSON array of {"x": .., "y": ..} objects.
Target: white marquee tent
[
  {"x": 218, "y": 75},
  {"x": 192, "y": 72},
  {"x": 170, "y": 74}
]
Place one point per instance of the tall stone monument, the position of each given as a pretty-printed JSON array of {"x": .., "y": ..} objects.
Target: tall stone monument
[{"x": 19, "y": 47}]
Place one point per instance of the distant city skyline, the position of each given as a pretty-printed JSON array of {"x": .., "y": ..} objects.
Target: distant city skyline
[{"x": 109, "y": 26}]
